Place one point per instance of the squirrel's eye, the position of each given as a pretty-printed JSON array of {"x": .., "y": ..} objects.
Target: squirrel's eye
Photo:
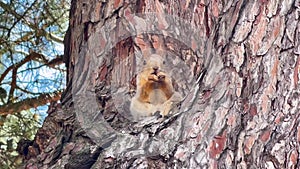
[
  {"x": 164, "y": 62},
  {"x": 144, "y": 63}
]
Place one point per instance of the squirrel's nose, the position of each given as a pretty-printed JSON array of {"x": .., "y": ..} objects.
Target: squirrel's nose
[{"x": 155, "y": 68}]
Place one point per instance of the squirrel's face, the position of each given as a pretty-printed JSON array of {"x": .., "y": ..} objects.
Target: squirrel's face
[{"x": 154, "y": 63}]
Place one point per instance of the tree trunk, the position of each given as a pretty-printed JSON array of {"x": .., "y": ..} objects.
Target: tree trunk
[{"x": 236, "y": 65}]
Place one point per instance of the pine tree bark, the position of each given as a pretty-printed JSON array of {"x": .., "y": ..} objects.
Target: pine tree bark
[{"x": 241, "y": 87}]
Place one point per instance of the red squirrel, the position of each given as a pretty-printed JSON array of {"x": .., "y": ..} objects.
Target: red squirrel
[{"x": 155, "y": 92}]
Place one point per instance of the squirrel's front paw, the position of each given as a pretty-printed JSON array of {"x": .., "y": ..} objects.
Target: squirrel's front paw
[
  {"x": 153, "y": 77},
  {"x": 161, "y": 76}
]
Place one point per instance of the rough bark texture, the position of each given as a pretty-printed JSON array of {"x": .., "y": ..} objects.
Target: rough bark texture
[{"x": 241, "y": 106}]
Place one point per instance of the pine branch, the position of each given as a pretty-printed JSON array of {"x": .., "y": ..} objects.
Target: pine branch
[
  {"x": 28, "y": 58},
  {"x": 28, "y": 103},
  {"x": 32, "y": 56}
]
